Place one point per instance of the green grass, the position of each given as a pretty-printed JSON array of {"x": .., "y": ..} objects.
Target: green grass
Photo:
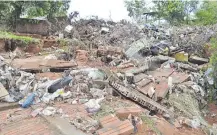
[
  {"x": 150, "y": 123},
  {"x": 25, "y": 39}
]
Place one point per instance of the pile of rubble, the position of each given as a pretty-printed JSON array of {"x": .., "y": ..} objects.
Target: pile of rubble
[{"x": 132, "y": 69}]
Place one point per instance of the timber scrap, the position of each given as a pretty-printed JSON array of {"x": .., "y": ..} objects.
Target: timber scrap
[{"x": 140, "y": 98}]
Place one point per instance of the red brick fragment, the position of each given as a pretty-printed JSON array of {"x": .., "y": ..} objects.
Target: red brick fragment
[
  {"x": 122, "y": 128},
  {"x": 108, "y": 120},
  {"x": 123, "y": 113}
]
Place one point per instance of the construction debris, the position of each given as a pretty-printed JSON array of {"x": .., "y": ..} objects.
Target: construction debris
[{"x": 146, "y": 66}]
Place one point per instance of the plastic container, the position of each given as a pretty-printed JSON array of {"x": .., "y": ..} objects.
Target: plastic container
[{"x": 29, "y": 100}]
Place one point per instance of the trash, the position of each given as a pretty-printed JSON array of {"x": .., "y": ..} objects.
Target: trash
[
  {"x": 87, "y": 125},
  {"x": 61, "y": 35},
  {"x": 8, "y": 99},
  {"x": 207, "y": 74},
  {"x": 29, "y": 100},
  {"x": 93, "y": 104},
  {"x": 104, "y": 30},
  {"x": 36, "y": 112},
  {"x": 198, "y": 89},
  {"x": 181, "y": 56},
  {"x": 68, "y": 28},
  {"x": 50, "y": 56},
  {"x": 97, "y": 93},
  {"x": 59, "y": 84},
  {"x": 96, "y": 75},
  {"x": 49, "y": 111}
]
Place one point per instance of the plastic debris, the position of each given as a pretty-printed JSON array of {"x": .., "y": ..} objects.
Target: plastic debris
[
  {"x": 48, "y": 111},
  {"x": 29, "y": 100},
  {"x": 36, "y": 112},
  {"x": 59, "y": 84}
]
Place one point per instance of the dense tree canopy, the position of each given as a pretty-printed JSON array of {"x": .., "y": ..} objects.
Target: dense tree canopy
[
  {"x": 173, "y": 11},
  {"x": 12, "y": 10},
  {"x": 208, "y": 13}
]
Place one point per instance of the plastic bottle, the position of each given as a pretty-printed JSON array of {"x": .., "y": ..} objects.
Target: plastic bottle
[{"x": 28, "y": 101}]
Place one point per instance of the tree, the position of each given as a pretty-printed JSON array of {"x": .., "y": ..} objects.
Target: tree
[
  {"x": 136, "y": 8},
  {"x": 14, "y": 9},
  {"x": 175, "y": 11},
  {"x": 189, "y": 8},
  {"x": 207, "y": 15}
]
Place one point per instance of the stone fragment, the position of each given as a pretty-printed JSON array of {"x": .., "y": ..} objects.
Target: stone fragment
[{"x": 198, "y": 60}]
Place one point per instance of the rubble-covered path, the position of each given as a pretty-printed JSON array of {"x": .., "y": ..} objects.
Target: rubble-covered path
[{"x": 19, "y": 122}]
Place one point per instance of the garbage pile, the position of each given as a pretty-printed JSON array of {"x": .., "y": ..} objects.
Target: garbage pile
[{"x": 151, "y": 67}]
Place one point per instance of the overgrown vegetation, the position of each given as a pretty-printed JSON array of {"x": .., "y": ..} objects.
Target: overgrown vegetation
[
  {"x": 207, "y": 15},
  {"x": 175, "y": 12},
  {"x": 150, "y": 123},
  {"x": 213, "y": 62},
  {"x": 26, "y": 40}
]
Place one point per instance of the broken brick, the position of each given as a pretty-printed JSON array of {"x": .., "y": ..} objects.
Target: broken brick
[
  {"x": 122, "y": 128},
  {"x": 108, "y": 120},
  {"x": 162, "y": 88},
  {"x": 179, "y": 77},
  {"x": 123, "y": 113},
  {"x": 146, "y": 88}
]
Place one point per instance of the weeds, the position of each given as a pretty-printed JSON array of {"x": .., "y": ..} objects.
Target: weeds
[
  {"x": 150, "y": 124},
  {"x": 26, "y": 40}
]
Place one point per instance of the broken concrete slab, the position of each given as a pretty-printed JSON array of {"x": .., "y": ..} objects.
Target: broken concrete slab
[
  {"x": 161, "y": 72},
  {"x": 37, "y": 63},
  {"x": 136, "y": 46},
  {"x": 198, "y": 60}
]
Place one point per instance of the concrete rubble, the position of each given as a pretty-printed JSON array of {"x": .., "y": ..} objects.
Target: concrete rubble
[{"x": 143, "y": 75}]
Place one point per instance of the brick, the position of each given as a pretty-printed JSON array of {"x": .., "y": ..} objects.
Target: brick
[
  {"x": 122, "y": 128},
  {"x": 123, "y": 113},
  {"x": 162, "y": 88},
  {"x": 108, "y": 120},
  {"x": 179, "y": 77}
]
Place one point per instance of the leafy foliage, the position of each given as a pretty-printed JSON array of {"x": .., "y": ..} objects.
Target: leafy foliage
[
  {"x": 136, "y": 8},
  {"x": 207, "y": 15},
  {"x": 24, "y": 39},
  {"x": 12, "y": 10},
  {"x": 174, "y": 11}
]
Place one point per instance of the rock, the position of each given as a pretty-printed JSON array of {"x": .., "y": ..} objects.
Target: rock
[{"x": 198, "y": 60}]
